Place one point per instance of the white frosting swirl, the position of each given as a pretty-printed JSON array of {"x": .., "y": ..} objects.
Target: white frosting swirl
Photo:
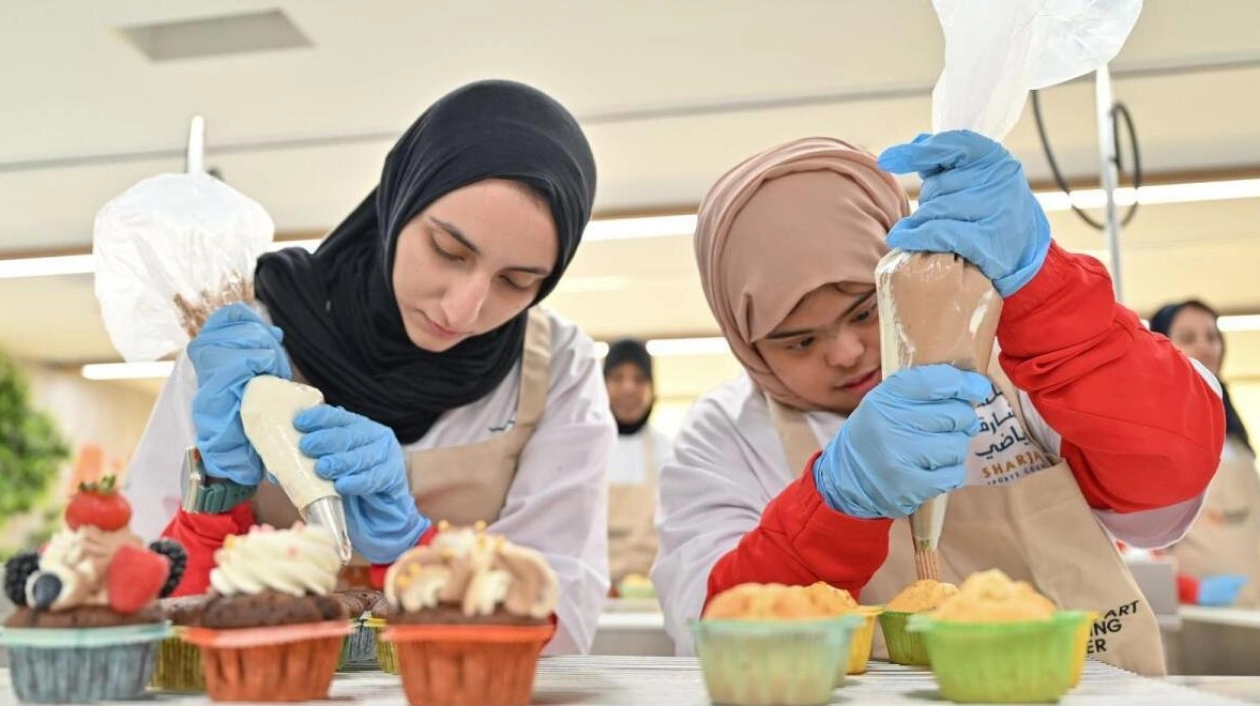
[{"x": 300, "y": 560}]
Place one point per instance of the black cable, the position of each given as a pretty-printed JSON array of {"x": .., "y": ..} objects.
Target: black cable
[{"x": 1117, "y": 110}]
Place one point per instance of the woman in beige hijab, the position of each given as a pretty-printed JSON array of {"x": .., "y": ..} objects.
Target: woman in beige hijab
[{"x": 795, "y": 472}]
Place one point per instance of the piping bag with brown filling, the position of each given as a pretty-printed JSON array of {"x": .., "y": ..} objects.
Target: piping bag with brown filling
[
  {"x": 938, "y": 308},
  {"x": 933, "y": 308}
]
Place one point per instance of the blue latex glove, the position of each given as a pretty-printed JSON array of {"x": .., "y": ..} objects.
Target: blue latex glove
[
  {"x": 1220, "y": 589},
  {"x": 365, "y": 463},
  {"x": 234, "y": 346},
  {"x": 906, "y": 443},
  {"x": 974, "y": 202}
]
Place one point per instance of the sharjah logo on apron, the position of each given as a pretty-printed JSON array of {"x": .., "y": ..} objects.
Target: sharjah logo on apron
[
  {"x": 1110, "y": 624},
  {"x": 1002, "y": 447}
]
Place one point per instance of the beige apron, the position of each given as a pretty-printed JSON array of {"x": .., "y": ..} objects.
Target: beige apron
[
  {"x": 632, "y": 520},
  {"x": 461, "y": 484},
  {"x": 1037, "y": 529},
  {"x": 1226, "y": 537}
]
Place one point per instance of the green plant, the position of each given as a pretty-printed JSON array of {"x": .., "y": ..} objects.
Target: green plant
[{"x": 31, "y": 448}]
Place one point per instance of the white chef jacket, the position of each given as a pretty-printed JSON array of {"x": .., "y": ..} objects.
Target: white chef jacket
[{"x": 557, "y": 503}]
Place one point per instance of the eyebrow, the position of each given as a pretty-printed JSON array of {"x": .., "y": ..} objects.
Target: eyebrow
[
  {"x": 453, "y": 231},
  {"x": 793, "y": 333}
]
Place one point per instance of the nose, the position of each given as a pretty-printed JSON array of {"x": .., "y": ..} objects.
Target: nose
[
  {"x": 462, "y": 303},
  {"x": 844, "y": 349}
]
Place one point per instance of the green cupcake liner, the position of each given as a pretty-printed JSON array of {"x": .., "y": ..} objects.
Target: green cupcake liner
[
  {"x": 1015, "y": 662},
  {"x": 904, "y": 647},
  {"x": 772, "y": 662},
  {"x": 178, "y": 667}
]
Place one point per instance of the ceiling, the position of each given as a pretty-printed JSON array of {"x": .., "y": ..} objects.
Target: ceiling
[{"x": 671, "y": 94}]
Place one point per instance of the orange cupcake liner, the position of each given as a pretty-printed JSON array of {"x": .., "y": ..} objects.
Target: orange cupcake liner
[
  {"x": 292, "y": 663},
  {"x": 468, "y": 665}
]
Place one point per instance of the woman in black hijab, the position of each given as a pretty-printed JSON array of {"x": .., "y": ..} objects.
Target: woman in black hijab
[
  {"x": 1219, "y": 558},
  {"x": 414, "y": 319}
]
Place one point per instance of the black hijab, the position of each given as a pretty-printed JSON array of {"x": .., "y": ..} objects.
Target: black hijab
[
  {"x": 1162, "y": 323},
  {"x": 635, "y": 353},
  {"x": 337, "y": 308}
]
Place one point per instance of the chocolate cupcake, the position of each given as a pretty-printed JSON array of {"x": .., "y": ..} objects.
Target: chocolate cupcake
[
  {"x": 271, "y": 631},
  {"x": 469, "y": 617}
]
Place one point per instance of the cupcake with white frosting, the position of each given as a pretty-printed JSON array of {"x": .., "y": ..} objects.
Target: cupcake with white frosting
[
  {"x": 469, "y": 616},
  {"x": 271, "y": 629}
]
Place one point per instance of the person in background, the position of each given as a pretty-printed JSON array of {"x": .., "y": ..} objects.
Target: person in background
[
  {"x": 1219, "y": 559},
  {"x": 640, "y": 452}
]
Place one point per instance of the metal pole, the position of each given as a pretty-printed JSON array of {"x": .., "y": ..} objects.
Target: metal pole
[
  {"x": 1110, "y": 172},
  {"x": 195, "y": 157}
]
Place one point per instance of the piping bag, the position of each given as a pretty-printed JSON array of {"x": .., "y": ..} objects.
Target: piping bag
[
  {"x": 937, "y": 307},
  {"x": 167, "y": 253}
]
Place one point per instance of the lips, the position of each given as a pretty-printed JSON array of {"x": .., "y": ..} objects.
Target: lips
[{"x": 862, "y": 383}]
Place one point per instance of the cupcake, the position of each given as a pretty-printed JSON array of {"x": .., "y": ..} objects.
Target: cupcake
[
  {"x": 469, "y": 616},
  {"x": 636, "y": 586},
  {"x": 775, "y": 644},
  {"x": 359, "y": 648},
  {"x": 87, "y": 624},
  {"x": 270, "y": 631},
  {"x": 178, "y": 667},
  {"x": 1000, "y": 641},
  {"x": 923, "y": 596},
  {"x": 377, "y": 619},
  {"x": 839, "y": 602}
]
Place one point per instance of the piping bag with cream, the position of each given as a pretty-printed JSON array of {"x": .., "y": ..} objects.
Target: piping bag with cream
[
  {"x": 937, "y": 307},
  {"x": 170, "y": 251}
]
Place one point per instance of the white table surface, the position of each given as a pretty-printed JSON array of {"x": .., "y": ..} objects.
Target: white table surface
[{"x": 610, "y": 680}]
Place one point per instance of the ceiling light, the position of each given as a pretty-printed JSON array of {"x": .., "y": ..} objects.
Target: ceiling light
[{"x": 127, "y": 371}]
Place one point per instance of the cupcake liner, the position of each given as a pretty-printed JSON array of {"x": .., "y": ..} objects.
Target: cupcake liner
[
  {"x": 860, "y": 645},
  {"x": 468, "y": 664},
  {"x": 386, "y": 653},
  {"x": 359, "y": 648},
  {"x": 1081, "y": 649},
  {"x": 270, "y": 664},
  {"x": 178, "y": 666},
  {"x": 904, "y": 647},
  {"x": 82, "y": 665},
  {"x": 1013, "y": 662},
  {"x": 782, "y": 662}
]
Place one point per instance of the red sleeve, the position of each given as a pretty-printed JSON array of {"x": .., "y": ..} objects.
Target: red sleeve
[
  {"x": 377, "y": 572},
  {"x": 801, "y": 541},
  {"x": 201, "y": 534},
  {"x": 1141, "y": 428}
]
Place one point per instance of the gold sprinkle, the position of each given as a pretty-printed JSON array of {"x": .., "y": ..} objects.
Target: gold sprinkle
[
  {"x": 444, "y": 525},
  {"x": 414, "y": 570},
  {"x": 479, "y": 526},
  {"x": 229, "y": 541},
  {"x": 446, "y": 553},
  {"x": 402, "y": 582}
]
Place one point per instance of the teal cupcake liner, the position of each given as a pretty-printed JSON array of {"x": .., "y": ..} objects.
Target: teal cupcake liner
[
  {"x": 773, "y": 662},
  {"x": 359, "y": 648},
  {"x": 75, "y": 665}
]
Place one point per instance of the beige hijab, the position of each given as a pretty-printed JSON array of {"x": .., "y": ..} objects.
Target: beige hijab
[{"x": 782, "y": 224}]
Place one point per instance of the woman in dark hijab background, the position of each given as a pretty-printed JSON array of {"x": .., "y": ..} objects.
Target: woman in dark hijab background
[
  {"x": 450, "y": 396},
  {"x": 638, "y": 456},
  {"x": 1219, "y": 559}
]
